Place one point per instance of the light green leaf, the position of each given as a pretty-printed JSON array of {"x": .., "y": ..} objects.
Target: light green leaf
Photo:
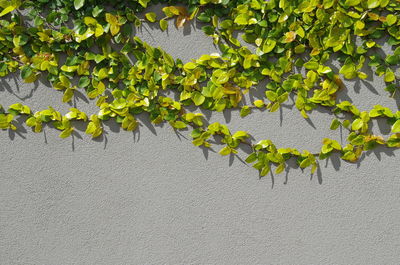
[
  {"x": 66, "y": 133},
  {"x": 78, "y": 4},
  {"x": 68, "y": 94},
  {"x": 391, "y": 19},
  {"x": 151, "y": 16},
  {"x": 225, "y": 151},
  {"x": 163, "y": 24},
  {"x": 396, "y": 127},
  {"x": 305, "y": 163},
  {"x": 8, "y": 10},
  {"x": 198, "y": 98},
  {"x": 265, "y": 170},
  {"x": 251, "y": 158},
  {"x": 352, "y": 2},
  {"x": 373, "y": 3},
  {"x": 280, "y": 168},
  {"x": 357, "y": 124},
  {"x": 389, "y": 76},
  {"x": 242, "y": 19},
  {"x": 259, "y": 103},
  {"x": 269, "y": 45},
  {"x": 271, "y": 95},
  {"x": 179, "y": 125},
  {"x": 311, "y": 65}
]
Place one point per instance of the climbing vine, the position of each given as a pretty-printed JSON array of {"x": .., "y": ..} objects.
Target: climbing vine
[{"x": 89, "y": 45}]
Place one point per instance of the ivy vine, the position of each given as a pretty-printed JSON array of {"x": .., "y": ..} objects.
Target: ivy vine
[{"x": 36, "y": 34}]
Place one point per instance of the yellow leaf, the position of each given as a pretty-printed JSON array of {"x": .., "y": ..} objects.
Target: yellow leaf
[
  {"x": 7, "y": 10},
  {"x": 89, "y": 21},
  {"x": 110, "y": 18},
  {"x": 290, "y": 36},
  {"x": 114, "y": 29}
]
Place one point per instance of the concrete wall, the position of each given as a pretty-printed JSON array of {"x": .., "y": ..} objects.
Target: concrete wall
[{"x": 151, "y": 197}]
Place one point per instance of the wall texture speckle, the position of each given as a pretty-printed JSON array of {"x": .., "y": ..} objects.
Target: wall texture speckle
[{"x": 151, "y": 197}]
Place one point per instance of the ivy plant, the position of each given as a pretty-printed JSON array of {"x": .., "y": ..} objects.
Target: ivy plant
[{"x": 286, "y": 34}]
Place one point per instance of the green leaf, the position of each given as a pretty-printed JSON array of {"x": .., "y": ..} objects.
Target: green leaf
[
  {"x": 269, "y": 45},
  {"x": 241, "y": 135},
  {"x": 129, "y": 123},
  {"x": 151, "y": 16},
  {"x": 350, "y": 156},
  {"x": 393, "y": 59},
  {"x": 391, "y": 19},
  {"x": 280, "y": 168},
  {"x": 103, "y": 73},
  {"x": 97, "y": 11},
  {"x": 20, "y": 40},
  {"x": 198, "y": 98},
  {"x": 203, "y": 17},
  {"x": 396, "y": 127},
  {"x": 271, "y": 95},
  {"x": 244, "y": 111},
  {"x": 189, "y": 66},
  {"x": 259, "y": 103},
  {"x": 275, "y": 106},
  {"x": 68, "y": 94},
  {"x": 168, "y": 59},
  {"x": 179, "y": 125},
  {"x": 84, "y": 81},
  {"x": 251, "y": 158},
  {"x": 326, "y": 148},
  {"x": 393, "y": 141},
  {"x": 225, "y": 151},
  {"x": 357, "y": 124},
  {"x": 208, "y": 30},
  {"x": 78, "y": 4},
  {"x": 373, "y": 3},
  {"x": 163, "y": 24},
  {"x": 335, "y": 144},
  {"x": 7, "y": 10},
  {"x": 242, "y": 19},
  {"x": 220, "y": 77},
  {"x": 348, "y": 70},
  {"x": 300, "y": 48},
  {"x": 26, "y": 72},
  {"x": 346, "y": 123},
  {"x": 265, "y": 170},
  {"x": 359, "y": 140},
  {"x": 311, "y": 65},
  {"x": 335, "y": 124},
  {"x": 305, "y": 163},
  {"x": 389, "y": 76},
  {"x": 66, "y": 133},
  {"x": 118, "y": 104},
  {"x": 5, "y": 120},
  {"x": 144, "y": 2},
  {"x": 352, "y": 2},
  {"x": 31, "y": 121}
]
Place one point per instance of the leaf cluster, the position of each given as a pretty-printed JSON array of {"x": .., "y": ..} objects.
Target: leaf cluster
[{"x": 124, "y": 82}]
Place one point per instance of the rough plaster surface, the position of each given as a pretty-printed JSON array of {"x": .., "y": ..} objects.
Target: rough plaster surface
[{"x": 153, "y": 198}]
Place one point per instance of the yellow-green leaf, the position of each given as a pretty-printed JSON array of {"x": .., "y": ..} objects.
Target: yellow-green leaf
[{"x": 151, "y": 16}]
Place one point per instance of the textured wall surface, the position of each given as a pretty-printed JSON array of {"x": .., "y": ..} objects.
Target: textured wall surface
[{"x": 151, "y": 197}]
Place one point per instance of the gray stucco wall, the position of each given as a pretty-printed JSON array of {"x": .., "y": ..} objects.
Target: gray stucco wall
[{"x": 153, "y": 198}]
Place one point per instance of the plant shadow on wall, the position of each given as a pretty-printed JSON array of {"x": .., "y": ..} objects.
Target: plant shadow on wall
[{"x": 293, "y": 65}]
